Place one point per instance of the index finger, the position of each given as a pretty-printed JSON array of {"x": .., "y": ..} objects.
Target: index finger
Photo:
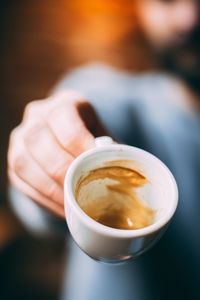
[{"x": 69, "y": 129}]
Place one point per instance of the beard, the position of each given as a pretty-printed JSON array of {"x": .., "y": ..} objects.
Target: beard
[{"x": 183, "y": 59}]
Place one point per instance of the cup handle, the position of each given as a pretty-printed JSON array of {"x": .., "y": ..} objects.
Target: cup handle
[{"x": 103, "y": 141}]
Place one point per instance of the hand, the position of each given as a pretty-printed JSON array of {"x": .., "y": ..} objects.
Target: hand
[{"x": 53, "y": 132}]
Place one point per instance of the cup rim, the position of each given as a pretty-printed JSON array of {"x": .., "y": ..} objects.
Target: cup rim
[{"x": 103, "y": 229}]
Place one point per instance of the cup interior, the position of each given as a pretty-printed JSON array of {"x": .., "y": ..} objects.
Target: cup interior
[{"x": 160, "y": 192}]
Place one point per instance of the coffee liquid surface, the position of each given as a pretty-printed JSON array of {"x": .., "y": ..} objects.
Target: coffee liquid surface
[{"x": 120, "y": 207}]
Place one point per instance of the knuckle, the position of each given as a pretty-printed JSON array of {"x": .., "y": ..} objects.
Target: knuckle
[
  {"x": 76, "y": 140},
  {"x": 13, "y": 136},
  {"x": 19, "y": 163},
  {"x": 35, "y": 108},
  {"x": 58, "y": 172},
  {"x": 73, "y": 137},
  {"x": 30, "y": 108},
  {"x": 52, "y": 191},
  {"x": 32, "y": 131},
  {"x": 53, "y": 113},
  {"x": 13, "y": 145}
]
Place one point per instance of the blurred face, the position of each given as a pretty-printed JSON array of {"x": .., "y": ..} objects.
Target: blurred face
[{"x": 172, "y": 28}]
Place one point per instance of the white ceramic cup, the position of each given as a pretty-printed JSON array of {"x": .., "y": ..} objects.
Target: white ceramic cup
[{"x": 115, "y": 245}]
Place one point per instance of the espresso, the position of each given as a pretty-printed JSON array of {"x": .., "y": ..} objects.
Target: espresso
[{"x": 108, "y": 195}]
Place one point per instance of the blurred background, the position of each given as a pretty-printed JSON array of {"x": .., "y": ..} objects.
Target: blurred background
[{"x": 41, "y": 40}]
